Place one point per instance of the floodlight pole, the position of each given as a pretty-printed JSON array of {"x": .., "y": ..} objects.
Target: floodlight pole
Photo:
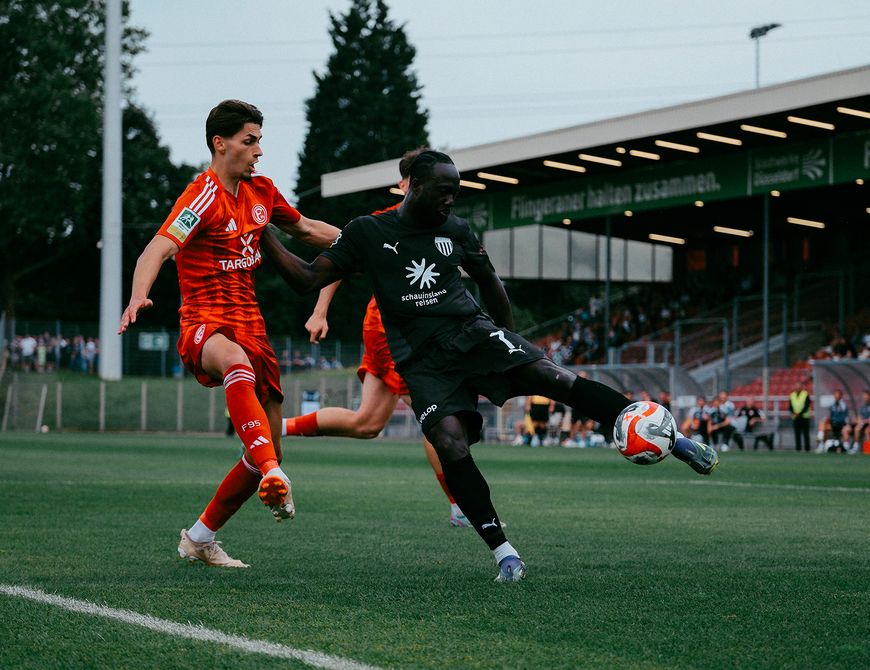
[
  {"x": 110, "y": 247},
  {"x": 756, "y": 34}
]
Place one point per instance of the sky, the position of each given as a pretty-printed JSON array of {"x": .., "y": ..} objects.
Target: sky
[{"x": 489, "y": 69}]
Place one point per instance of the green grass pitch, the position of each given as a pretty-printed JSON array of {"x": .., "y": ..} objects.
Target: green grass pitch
[{"x": 764, "y": 565}]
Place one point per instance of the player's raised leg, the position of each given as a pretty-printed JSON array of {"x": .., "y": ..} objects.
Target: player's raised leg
[{"x": 603, "y": 404}]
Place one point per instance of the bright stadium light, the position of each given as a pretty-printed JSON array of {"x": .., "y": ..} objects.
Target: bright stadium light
[
  {"x": 809, "y": 223},
  {"x": 472, "y": 184},
  {"x": 564, "y": 166},
  {"x": 854, "y": 112},
  {"x": 498, "y": 177},
  {"x": 762, "y": 131},
  {"x": 733, "y": 231},
  {"x": 644, "y": 154},
  {"x": 688, "y": 148},
  {"x": 599, "y": 159},
  {"x": 719, "y": 138},
  {"x": 666, "y": 238},
  {"x": 811, "y": 122}
]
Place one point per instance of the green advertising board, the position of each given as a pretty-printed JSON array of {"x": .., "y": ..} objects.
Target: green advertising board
[{"x": 794, "y": 165}]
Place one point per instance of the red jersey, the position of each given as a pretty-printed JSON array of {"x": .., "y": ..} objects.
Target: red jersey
[
  {"x": 219, "y": 239},
  {"x": 372, "y": 319}
]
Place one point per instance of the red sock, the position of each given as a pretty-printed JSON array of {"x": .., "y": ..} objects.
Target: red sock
[
  {"x": 239, "y": 485},
  {"x": 302, "y": 425},
  {"x": 440, "y": 477},
  {"x": 248, "y": 416}
]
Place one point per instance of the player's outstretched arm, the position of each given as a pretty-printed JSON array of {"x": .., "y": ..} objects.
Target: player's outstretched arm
[
  {"x": 494, "y": 296},
  {"x": 311, "y": 231},
  {"x": 302, "y": 277},
  {"x": 152, "y": 258},
  {"x": 317, "y": 325}
]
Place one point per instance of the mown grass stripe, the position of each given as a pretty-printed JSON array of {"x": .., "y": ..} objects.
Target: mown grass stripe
[{"x": 187, "y": 630}]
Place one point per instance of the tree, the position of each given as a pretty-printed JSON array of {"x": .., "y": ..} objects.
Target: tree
[
  {"x": 50, "y": 142},
  {"x": 366, "y": 108}
]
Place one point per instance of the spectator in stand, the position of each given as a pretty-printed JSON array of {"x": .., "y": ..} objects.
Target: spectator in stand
[
  {"x": 753, "y": 418},
  {"x": 297, "y": 363},
  {"x": 720, "y": 427},
  {"x": 862, "y": 428},
  {"x": 800, "y": 404},
  {"x": 697, "y": 421},
  {"x": 41, "y": 353},
  {"x": 27, "y": 346},
  {"x": 92, "y": 350},
  {"x": 726, "y": 405},
  {"x": 539, "y": 408},
  {"x": 834, "y": 430},
  {"x": 556, "y": 425},
  {"x": 665, "y": 400},
  {"x": 63, "y": 352}
]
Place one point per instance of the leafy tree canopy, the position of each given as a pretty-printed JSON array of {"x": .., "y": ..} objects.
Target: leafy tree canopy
[
  {"x": 51, "y": 92},
  {"x": 366, "y": 108}
]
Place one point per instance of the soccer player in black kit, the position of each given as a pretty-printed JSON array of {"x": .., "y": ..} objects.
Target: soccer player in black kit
[{"x": 445, "y": 346}]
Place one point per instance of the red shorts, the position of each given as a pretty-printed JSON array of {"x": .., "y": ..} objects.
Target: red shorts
[
  {"x": 258, "y": 350},
  {"x": 378, "y": 361}
]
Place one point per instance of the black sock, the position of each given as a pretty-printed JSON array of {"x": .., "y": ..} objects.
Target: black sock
[
  {"x": 471, "y": 493},
  {"x": 597, "y": 401}
]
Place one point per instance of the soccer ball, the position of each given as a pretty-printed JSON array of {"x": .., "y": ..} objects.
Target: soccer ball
[{"x": 645, "y": 432}]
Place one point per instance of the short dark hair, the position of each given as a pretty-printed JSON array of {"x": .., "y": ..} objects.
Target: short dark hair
[
  {"x": 229, "y": 117},
  {"x": 421, "y": 166},
  {"x": 408, "y": 158}
]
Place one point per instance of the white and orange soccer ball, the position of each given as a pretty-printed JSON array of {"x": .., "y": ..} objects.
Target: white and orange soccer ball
[{"x": 645, "y": 432}]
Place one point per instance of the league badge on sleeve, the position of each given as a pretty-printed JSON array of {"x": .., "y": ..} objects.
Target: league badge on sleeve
[{"x": 184, "y": 223}]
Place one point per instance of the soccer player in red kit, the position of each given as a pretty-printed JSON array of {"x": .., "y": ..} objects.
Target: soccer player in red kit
[
  {"x": 382, "y": 385},
  {"x": 214, "y": 234}
]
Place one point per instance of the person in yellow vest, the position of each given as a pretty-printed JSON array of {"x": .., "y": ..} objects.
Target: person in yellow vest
[
  {"x": 800, "y": 404},
  {"x": 538, "y": 409}
]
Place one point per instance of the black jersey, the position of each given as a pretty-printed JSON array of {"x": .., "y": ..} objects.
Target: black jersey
[{"x": 414, "y": 274}]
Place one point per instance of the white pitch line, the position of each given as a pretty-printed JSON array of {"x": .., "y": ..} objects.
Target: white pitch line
[
  {"x": 750, "y": 485},
  {"x": 188, "y": 630}
]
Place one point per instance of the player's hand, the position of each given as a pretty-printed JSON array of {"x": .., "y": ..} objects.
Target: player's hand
[
  {"x": 129, "y": 316},
  {"x": 317, "y": 328}
]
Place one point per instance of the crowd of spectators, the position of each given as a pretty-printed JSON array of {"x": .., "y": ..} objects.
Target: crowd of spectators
[
  {"x": 841, "y": 347},
  {"x": 297, "y": 362},
  {"x": 584, "y": 336},
  {"x": 47, "y": 352}
]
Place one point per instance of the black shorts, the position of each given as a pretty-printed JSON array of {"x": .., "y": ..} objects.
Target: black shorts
[
  {"x": 450, "y": 376},
  {"x": 539, "y": 413}
]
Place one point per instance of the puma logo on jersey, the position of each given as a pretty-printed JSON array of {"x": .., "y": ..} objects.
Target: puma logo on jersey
[
  {"x": 512, "y": 348},
  {"x": 231, "y": 226},
  {"x": 491, "y": 524},
  {"x": 392, "y": 247}
]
